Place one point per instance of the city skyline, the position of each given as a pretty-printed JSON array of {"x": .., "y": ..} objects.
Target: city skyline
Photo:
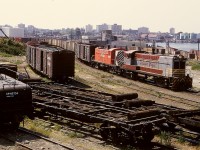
[{"x": 56, "y": 14}]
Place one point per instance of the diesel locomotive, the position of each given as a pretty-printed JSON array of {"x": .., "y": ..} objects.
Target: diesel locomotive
[{"x": 163, "y": 70}]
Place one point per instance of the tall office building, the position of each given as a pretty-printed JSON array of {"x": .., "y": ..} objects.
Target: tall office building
[
  {"x": 102, "y": 27},
  {"x": 172, "y": 30},
  {"x": 88, "y": 28},
  {"x": 116, "y": 29}
]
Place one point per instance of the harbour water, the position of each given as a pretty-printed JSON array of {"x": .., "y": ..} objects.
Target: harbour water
[{"x": 180, "y": 46}]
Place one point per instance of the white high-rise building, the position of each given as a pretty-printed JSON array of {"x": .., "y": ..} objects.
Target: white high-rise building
[
  {"x": 172, "y": 30},
  {"x": 88, "y": 28},
  {"x": 12, "y": 32},
  {"x": 143, "y": 30}
]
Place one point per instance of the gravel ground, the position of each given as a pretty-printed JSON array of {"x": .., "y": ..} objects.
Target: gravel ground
[
  {"x": 107, "y": 82},
  {"x": 102, "y": 81},
  {"x": 196, "y": 77}
]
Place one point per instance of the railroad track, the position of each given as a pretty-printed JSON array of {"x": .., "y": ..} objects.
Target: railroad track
[
  {"x": 151, "y": 91},
  {"x": 35, "y": 140},
  {"x": 88, "y": 130},
  {"x": 18, "y": 144},
  {"x": 79, "y": 104},
  {"x": 92, "y": 110},
  {"x": 191, "y": 101},
  {"x": 93, "y": 132},
  {"x": 106, "y": 97}
]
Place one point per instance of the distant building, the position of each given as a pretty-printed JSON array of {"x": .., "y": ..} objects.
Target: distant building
[
  {"x": 183, "y": 36},
  {"x": 107, "y": 35},
  {"x": 143, "y": 30},
  {"x": 31, "y": 29},
  {"x": 172, "y": 31},
  {"x": 102, "y": 27},
  {"x": 21, "y": 25},
  {"x": 198, "y": 36},
  {"x": 193, "y": 36},
  {"x": 116, "y": 29},
  {"x": 12, "y": 32},
  {"x": 88, "y": 28}
]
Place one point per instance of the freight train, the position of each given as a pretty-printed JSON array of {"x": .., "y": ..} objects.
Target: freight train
[
  {"x": 52, "y": 61},
  {"x": 168, "y": 71},
  {"x": 15, "y": 101}
]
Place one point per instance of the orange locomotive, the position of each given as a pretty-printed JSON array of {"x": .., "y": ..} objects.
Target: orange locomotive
[{"x": 164, "y": 70}]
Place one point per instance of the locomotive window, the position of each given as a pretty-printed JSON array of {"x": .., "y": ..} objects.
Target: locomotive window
[
  {"x": 182, "y": 65},
  {"x": 176, "y": 65},
  {"x": 179, "y": 65}
]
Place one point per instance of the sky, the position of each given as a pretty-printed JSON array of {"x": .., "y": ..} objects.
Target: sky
[{"x": 157, "y": 15}]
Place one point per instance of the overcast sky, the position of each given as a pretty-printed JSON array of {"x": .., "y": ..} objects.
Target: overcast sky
[{"x": 158, "y": 15}]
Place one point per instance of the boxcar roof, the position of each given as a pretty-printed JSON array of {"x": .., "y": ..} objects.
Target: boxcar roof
[
  {"x": 50, "y": 47},
  {"x": 6, "y": 81}
]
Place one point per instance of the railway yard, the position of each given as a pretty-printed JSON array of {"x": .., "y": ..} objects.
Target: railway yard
[{"x": 123, "y": 112}]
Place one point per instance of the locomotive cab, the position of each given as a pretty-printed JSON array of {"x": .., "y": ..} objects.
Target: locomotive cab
[
  {"x": 179, "y": 79},
  {"x": 179, "y": 63}
]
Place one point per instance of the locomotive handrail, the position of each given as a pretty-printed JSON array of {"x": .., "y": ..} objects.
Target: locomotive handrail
[{"x": 189, "y": 72}]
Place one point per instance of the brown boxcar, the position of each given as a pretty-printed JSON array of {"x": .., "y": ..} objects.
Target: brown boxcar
[{"x": 52, "y": 61}]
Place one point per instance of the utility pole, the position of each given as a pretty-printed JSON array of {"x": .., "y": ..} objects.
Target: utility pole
[
  {"x": 167, "y": 46},
  {"x": 198, "y": 51},
  {"x": 71, "y": 34}
]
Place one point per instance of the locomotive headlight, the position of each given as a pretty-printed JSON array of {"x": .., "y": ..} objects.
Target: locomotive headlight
[{"x": 180, "y": 56}]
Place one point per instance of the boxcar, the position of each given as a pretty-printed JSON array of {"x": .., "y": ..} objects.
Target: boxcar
[{"x": 52, "y": 61}]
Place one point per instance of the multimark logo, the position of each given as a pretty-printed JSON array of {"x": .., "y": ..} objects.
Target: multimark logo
[{"x": 11, "y": 94}]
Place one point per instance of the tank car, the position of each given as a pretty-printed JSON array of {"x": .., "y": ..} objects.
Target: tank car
[{"x": 15, "y": 101}]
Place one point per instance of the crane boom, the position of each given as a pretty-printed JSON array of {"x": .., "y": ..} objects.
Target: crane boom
[{"x": 4, "y": 33}]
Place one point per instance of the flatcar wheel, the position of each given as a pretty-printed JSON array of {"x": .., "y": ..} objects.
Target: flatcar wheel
[
  {"x": 134, "y": 76},
  {"x": 15, "y": 125},
  {"x": 104, "y": 131},
  {"x": 147, "y": 134},
  {"x": 15, "y": 122}
]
